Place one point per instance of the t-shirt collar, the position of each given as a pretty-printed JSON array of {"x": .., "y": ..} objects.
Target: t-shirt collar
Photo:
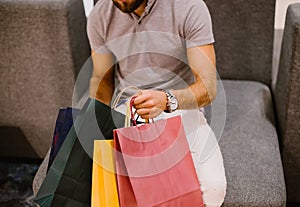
[{"x": 150, "y": 4}]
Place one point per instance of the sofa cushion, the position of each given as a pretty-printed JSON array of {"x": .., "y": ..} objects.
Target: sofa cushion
[{"x": 250, "y": 149}]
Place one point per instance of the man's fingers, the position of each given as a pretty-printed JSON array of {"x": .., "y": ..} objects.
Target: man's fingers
[
  {"x": 147, "y": 113},
  {"x": 142, "y": 97},
  {"x": 146, "y": 104},
  {"x": 151, "y": 115},
  {"x": 142, "y": 111},
  {"x": 139, "y": 99}
]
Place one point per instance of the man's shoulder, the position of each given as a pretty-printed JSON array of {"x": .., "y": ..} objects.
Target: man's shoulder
[
  {"x": 187, "y": 4},
  {"x": 102, "y": 7},
  {"x": 184, "y": 7},
  {"x": 101, "y": 4}
]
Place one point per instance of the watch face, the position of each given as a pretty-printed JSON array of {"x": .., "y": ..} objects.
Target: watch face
[{"x": 173, "y": 103}]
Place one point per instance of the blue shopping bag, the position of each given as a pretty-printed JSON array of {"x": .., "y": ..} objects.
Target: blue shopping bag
[{"x": 63, "y": 125}]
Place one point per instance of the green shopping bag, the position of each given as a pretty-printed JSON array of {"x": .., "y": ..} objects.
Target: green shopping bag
[{"x": 69, "y": 179}]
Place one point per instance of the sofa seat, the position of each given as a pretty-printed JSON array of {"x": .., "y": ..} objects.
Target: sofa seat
[{"x": 250, "y": 147}]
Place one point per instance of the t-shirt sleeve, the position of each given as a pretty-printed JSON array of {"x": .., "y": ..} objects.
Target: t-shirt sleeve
[
  {"x": 95, "y": 37},
  {"x": 198, "y": 25}
]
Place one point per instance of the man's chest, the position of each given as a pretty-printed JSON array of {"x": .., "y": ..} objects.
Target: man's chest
[{"x": 127, "y": 35}]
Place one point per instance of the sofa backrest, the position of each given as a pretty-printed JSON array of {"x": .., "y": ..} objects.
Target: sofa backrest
[
  {"x": 243, "y": 32},
  {"x": 43, "y": 45}
]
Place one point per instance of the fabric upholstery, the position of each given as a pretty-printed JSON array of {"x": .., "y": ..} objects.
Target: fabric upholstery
[
  {"x": 244, "y": 38},
  {"x": 287, "y": 100},
  {"x": 43, "y": 46},
  {"x": 250, "y": 149}
]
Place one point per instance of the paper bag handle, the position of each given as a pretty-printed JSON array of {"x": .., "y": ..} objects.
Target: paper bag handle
[
  {"x": 117, "y": 99},
  {"x": 131, "y": 103}
]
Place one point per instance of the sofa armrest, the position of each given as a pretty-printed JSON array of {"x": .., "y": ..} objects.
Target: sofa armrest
[
  {"x": 43, "y": 46},
  {"x": 287, "y": 101}
]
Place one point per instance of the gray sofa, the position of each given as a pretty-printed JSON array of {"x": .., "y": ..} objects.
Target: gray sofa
[
  {"x": 45, "y": 44},
  {"x": 244, "y": 47}
]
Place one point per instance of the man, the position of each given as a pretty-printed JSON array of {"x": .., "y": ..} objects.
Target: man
[{"x": 165, "y": 48}]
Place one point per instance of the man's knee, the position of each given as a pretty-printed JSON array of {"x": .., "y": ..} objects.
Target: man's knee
[{"x": 213, "y": 192}]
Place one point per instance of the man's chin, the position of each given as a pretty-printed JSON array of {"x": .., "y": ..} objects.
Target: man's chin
[{"x": 127, "y": 7}]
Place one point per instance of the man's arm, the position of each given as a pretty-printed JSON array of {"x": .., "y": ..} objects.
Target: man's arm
[
  {"x": 202, "y": 92},
  {"x": 102, "y": 80},
  {"x": 203, "y": 64}
]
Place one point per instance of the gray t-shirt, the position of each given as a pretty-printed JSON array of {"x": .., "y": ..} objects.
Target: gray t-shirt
[{"x": 151, "y": 50}]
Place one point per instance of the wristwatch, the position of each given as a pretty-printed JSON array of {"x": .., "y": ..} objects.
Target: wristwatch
[{"x": 172, "y": 103}]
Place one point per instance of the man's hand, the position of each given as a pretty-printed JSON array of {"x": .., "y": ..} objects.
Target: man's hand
[{"x": 150, "y": 103}]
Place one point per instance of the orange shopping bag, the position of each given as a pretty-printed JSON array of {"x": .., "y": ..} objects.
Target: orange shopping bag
[{"x": 104, "y": 184}]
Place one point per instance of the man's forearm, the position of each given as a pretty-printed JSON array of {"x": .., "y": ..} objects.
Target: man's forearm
[
  {"x": 101, "y": 89},
  {"x": 102, "y": 80},
  {"x": 196, "y": 95}
]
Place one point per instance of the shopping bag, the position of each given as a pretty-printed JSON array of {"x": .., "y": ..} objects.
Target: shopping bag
[
  {"x": 104, "y": 184},
  {"x": 154, "y": 165},
  {"x": 63, "y": 125},
  {"x": 68, "y": 181}
]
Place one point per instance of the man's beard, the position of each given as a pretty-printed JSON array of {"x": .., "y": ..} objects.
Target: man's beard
[{"x": 128, "y": 7}]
